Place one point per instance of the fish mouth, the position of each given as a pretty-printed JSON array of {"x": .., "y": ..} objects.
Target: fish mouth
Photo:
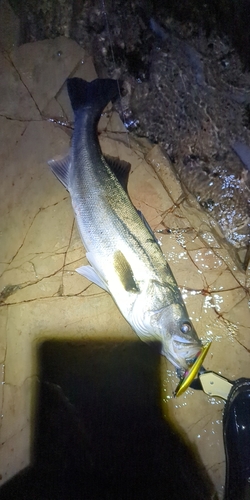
[{"x": 183, "y": 352}]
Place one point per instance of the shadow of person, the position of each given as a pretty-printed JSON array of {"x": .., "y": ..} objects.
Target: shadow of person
[{"x": 99, "y": 430}]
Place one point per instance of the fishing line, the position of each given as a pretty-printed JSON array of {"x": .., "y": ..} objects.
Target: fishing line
[{"x": 114, "y": 63}]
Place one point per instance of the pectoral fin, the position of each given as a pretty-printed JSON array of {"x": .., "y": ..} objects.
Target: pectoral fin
[
  {"x": 125, "y": 273},
  {"x": 89, "y": 273}
]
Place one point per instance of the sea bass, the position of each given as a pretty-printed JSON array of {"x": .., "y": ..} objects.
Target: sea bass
[{"x": 124, "y": 256}]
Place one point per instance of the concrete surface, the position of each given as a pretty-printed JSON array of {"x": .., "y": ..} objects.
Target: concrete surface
[{"x": 42, "y": 297}]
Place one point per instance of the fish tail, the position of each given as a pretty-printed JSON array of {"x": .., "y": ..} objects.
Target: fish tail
[{"x": 93, "y": 95}]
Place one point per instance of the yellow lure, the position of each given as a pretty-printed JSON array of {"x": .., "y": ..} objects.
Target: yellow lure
[{"x": 191, "y": 374}]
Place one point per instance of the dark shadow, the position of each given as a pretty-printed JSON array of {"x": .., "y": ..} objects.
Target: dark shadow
[{"x": 100, "y": 433}]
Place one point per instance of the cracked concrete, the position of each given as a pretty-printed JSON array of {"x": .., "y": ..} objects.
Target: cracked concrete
[{"x": 41, "y": 295}]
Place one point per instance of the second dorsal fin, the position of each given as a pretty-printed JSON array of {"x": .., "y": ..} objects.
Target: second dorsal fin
[{"x": 121, "y": 170}]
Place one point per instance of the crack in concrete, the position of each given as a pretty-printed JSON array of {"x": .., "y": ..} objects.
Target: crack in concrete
[
  {"x": 242, "y": 345},
  {"x": 21, "y": 120},
  {"x": 24, "y": 285},
  {"x": 56, "y": 296},
  {"x": 67, "y": 269},
  {"x": 197, "y": 422},
  {"x": 41, "y": 209},
  {"x": 217, "y": 464},
  {"x": 24, "y": 84},
  {"x": 15, "y": 433},
  {"x": 66, "y": 252},
  {"x": 7, "y": 291},
  {"x": 225, "y": 290},
  {"x": 3, "y": 363}
]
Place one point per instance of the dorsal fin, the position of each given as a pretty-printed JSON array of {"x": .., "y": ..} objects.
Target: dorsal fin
[{"x": 150, "y": 230}]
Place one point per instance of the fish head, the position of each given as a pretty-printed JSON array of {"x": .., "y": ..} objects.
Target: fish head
[{"x": 180, "y": 342}]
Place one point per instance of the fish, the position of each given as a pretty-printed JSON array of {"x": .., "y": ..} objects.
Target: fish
[{"x": 124, "y": 256}]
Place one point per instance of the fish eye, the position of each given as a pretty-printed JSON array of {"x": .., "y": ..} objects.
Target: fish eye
[{"x": 185, "y": 328}]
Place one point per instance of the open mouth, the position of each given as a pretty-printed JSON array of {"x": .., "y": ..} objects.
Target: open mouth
[{"x": 186, "y": 350}]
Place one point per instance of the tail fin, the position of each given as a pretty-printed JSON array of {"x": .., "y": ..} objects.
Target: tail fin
[{"x": 93, "y": 95}]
